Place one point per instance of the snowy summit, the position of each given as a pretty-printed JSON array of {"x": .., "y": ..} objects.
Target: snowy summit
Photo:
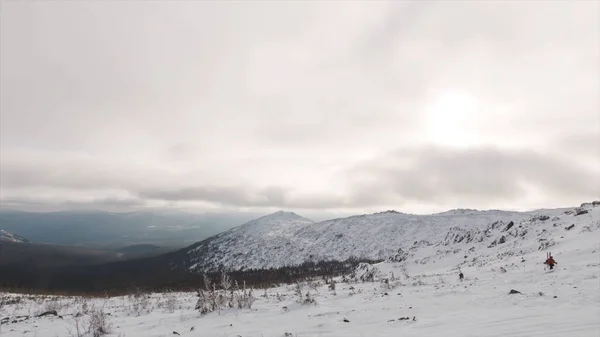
[{"x": 9, "y": 237}]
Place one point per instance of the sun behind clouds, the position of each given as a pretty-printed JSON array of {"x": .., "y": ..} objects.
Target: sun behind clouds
[{"x": 452, "y": 119}]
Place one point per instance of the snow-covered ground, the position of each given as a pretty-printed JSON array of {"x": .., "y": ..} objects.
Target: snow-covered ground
[{"x": 563, "y": 302}]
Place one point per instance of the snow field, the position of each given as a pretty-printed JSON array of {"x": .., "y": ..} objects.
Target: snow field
[{"x": 439, "y": 302}]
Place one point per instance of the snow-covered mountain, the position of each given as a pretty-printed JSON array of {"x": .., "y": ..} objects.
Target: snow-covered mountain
[
  {"x": 9, "y": 237},
  {"x": 260, "y": 241},
  {"x": 470, "y": 237}
]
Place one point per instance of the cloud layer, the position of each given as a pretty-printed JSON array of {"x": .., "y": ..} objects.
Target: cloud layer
[{"x": 407, "y": 105}]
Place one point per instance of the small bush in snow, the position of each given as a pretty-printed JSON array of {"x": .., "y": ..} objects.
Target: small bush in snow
[
  {"x": 405, "y": 272},
  {"x": 387, "y": 284},
  {"x": 245, "y": 299},
  {"x": 298, "y": 290},
  {"x": 54, "y": 304},
  {"x": 217, "y": 300},
  {"x": 309, "y": 299},
  {"x": 77, "y": 329},
  {"x": 95, "y": 323},
  {"x": 169, "y": 302},
  {"x": 141, "y": 304},
  {"x": 418, "y": 282},
  {"x": 205, "y": 304},
  {"x": 225, "y": 281},
  {"x": 314, "y": 285},
  {"x": 332, "y": 287},
  {"x": 82, "y": 309},
  {"x": 352, "y": 291},
  {"x": 99, "y": 324}
]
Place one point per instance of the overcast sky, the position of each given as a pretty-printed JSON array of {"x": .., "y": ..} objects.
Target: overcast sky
[{"x": 317, "y": 106}]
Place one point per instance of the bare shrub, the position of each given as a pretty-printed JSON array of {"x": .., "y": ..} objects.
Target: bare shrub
[
  {"x": 213, "y": 300},
  {"x": 225, "y": 281},
  {"x": 207, "y": 282},
  {"x": 141, "y": 305},
  {"x": 95, "y": 324},
  {"x": 204, "y": 303},
  {"x": 309, "y": 299},
  {"x": 8, "y": 300},
  {"x": 352, "y": 291},
  {"x": 169, "y": 302},
  {"x": 54, "y": 304},
  {"x": 387, "y": 284},
  {"x": 82, "y": 308},
  {"x": 314, "y": 285},
  {"x": 298, "y": 290},
  {"x": 332, "y": 287},
  {"x": 98, "y": 324},
  {"x": 245, "y": 299},
  {"x": 405, "y": 272},
  {"x": 417, "y": 281},
  {"x": 77, "y": 328}
]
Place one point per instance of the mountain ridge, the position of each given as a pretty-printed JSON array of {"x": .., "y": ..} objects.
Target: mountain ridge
[
  {"x": 5, "y": 236},
  {"x": 442, "y": 242},
  {"x": 376, "y": 236}
]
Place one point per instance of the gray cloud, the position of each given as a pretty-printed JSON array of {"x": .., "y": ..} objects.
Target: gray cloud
[
  {"x": 261, "y": 105},
  {"x": 484, "y": 175},
  {"x": 248, "y": 196},
  {"x": 586, "y": 145},
  {"x": 183, "y": 152},
  {"x": 105, "y": 204},
  {"x": 243, "y": 196}
]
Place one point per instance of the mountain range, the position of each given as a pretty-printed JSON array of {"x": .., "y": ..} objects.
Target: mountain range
[
  {"x": 113, "y": 230},
  {"x": 287, "y": 239},
  {"x": 286, "y": 244}
]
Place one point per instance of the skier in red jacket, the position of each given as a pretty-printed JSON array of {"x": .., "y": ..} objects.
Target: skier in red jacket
[{"x": 550, "y": 262}]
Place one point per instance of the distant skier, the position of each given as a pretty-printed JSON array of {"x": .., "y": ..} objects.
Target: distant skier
[
  {"x": 461, "y": 276},
  {"x": 550, "y": 262}
]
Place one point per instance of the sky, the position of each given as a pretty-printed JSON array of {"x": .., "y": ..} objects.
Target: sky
[{"x": 347, "y": 107}]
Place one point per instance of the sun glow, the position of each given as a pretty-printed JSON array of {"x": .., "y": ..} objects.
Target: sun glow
[{"x": 452, "y": 119}]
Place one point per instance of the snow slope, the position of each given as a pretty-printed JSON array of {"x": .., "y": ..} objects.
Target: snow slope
[
  {"x": 9, "y": 237},
  {"x": 260, "y": 241},
  {"x": 558, "y": 303},
  {"x": 287, "y": 239}
]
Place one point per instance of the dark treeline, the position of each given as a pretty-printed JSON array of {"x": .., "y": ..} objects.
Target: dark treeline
[{"x": 151, "y": 274}]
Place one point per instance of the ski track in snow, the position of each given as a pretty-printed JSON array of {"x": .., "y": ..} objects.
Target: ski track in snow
[{"x": 443, "y": 306}]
